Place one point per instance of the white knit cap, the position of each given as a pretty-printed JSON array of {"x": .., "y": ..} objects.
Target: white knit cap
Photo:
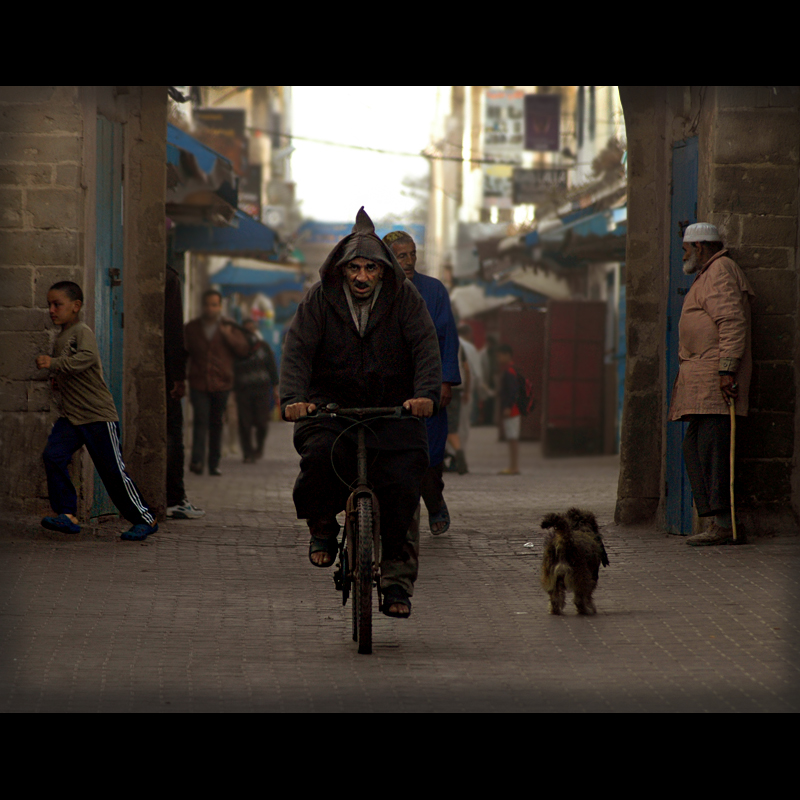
[{"x": 702, "y": 232}]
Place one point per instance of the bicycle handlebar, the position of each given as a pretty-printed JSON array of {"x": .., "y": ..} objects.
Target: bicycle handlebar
[{"x": 333, "y": 410}]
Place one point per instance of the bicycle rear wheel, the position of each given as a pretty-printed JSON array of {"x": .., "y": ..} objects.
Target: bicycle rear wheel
[{"x": 362, "y": 608}]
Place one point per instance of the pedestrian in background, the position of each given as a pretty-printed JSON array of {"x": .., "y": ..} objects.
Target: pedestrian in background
[
  {"x": 490, "y": 372},
  {"x": 715, "y": 369},
  {"x": 477, "y": 389},
  {"x": 213, "y": 343},
  {"x": 87, "y": 416},
  {"x": 437, "y": 301},
  {"x": 175, "y": 355},
  {"x": 455, "y": 414},
  {"x": 255, "y": 384},
  {"x": 509, "y": 407}
]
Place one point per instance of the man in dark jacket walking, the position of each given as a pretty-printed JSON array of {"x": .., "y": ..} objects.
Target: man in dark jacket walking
[
  {"x": 213, "y": 343},
  {"x": 255, "y": 377},
  {"x": 362, "y": 337}
]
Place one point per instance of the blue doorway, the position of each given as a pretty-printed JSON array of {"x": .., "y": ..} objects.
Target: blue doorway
[
  {"x": 108, "y": 309},
  {"x": 683, "y": 212}
]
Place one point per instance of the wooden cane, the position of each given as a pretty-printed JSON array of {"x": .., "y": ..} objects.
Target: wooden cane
[{"x": 732, "y": 409}]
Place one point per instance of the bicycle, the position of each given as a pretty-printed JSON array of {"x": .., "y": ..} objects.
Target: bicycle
[{"x": 358, "y": 568}]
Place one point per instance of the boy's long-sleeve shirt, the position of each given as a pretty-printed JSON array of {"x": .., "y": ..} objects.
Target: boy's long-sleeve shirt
[
  {"x": 509, "y": 391},
  {"x": 80, "y": 391}
]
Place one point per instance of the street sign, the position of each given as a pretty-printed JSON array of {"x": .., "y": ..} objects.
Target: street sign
[
  {"x": 535, "y": 185},
  {"x": 542, "y": 122}
]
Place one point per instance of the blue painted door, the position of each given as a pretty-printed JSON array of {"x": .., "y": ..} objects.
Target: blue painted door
[
  {"x": 678, "y": 517},
  {"x": 108, "y": 276}
]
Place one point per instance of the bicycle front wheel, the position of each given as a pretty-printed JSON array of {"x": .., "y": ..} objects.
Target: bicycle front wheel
[{"x": 363, "y": 575}]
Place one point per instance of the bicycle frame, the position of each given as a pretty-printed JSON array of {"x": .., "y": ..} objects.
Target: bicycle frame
[{"x": 360, "y": 549}]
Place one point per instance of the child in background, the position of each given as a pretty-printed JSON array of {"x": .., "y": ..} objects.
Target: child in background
[
  {"x": 512, "y": 416},
  {"x": 87, "y": 417}
]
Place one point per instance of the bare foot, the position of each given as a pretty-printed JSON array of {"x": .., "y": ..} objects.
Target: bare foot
[{"x": 321, "y": 559}]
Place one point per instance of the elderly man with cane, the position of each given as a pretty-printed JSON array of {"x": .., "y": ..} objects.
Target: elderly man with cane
[{"x": 715, "y": 368}]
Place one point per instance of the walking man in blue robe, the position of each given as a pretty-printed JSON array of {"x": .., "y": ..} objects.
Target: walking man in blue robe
[{"x": 437, "y": 301}]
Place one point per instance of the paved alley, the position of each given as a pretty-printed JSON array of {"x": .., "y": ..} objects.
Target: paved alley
[{"x": 225, "y": 614}]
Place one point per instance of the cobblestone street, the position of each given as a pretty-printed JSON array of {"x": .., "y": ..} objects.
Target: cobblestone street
[{"x": 226, "y": 614}]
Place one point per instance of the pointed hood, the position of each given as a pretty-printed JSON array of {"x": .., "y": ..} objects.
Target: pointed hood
[{"x": 363, "y": 242}]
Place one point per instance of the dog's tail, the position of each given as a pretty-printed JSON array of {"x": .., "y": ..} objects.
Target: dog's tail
[{"x": 561, "y": 545}]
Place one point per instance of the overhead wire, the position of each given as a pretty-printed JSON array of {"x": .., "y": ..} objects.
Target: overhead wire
[{"x": 421, "y": 154}]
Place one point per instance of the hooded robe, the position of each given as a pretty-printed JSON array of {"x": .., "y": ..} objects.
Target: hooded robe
[{"x": 326, "y": 359}]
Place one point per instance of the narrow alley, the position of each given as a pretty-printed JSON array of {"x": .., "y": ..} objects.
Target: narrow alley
[{"x": 226, "y": 614}]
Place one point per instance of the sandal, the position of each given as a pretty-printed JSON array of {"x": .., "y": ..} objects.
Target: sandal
[
  {"x": 442, "y": 515},
  {"x": 395, "y": 595},
  {"x": 324, "y": 544}
]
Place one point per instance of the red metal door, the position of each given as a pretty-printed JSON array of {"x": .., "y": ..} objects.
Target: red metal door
[
  {"x": 523, "y": 329},
  {"x": 572, "y": 421}
]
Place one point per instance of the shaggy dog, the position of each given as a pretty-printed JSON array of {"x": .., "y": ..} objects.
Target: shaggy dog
[{"x": 573, "y": 553}]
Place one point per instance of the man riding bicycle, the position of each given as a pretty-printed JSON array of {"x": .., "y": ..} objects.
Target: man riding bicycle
[{"x": 362, "y": 337}]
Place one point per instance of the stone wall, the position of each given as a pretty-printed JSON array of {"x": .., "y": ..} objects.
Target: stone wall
[
  {"x": 646, "y": 265},
  {"x": 144, "y": 431},
  {"x": 753, "y": 191},
  {"x": 47, "y": 233},
  {"x": 41, "y": 242},
  {"x": 748, "y": 185}
]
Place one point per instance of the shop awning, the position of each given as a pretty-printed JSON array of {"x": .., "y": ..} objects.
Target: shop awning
[
  {"x": 471, "y": 300},
  {"x": 583, "y": 236},
  {"x": 245, "y": 238},
  {"x": 543, "y": 282},
  {"x": 201, "y": 184},
  {"x": 246, "y": 280}
]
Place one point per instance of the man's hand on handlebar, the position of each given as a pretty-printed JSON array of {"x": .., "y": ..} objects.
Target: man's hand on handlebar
[
  {"x": 297, "y": 410},
  {"x": 419, "y": 406}
]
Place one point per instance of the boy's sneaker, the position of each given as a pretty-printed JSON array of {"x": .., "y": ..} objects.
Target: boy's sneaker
[
  {"x": 62, "y": 523},
  {"x": 139, "y": 533},
  {"x": 184, "y": 510}
]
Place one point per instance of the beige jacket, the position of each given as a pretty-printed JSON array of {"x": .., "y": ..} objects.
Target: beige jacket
[
  {"x": 80, "y": 391},
  {"x": 714, "y": 334}
]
